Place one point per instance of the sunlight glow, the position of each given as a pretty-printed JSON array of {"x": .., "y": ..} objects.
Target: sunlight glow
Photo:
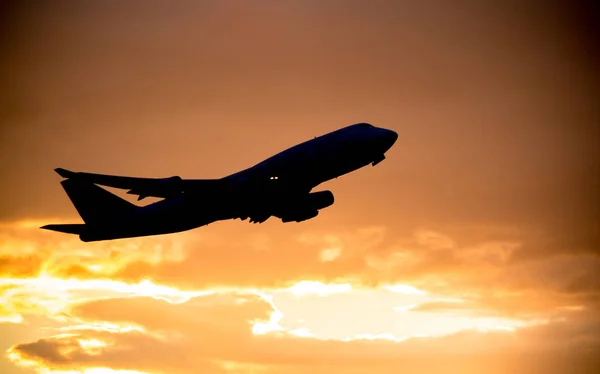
[
  {"x": 272, "y": 325},
  {"x": 302, "y": 332},
  {"x": 330, "y": 254},
  {"x": 92, "y": 346},
  {"x": 405, "y": 289},
  {"x": 365, "y": 314},
  {"x": 238, "y": 367},
  {"x": 16, "y": 318},
  {"x": 104, "y": 326},
  {"x": 385, "y": 336},
  {"x": 95, "y": 267},
  {"x": 52, "y": 296},
  {"x": 15, "y": 357},
  {"x": 404, "y": 308},
  {"x": 318, "y": 288}
]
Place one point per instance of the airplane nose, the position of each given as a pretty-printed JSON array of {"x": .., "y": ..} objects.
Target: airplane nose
[
  {"x": 388, "y": 138},
  {"x": 393, "y": 136}
]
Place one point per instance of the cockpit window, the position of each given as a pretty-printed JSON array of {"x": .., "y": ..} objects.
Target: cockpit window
[{"x": 364, "y": 125}]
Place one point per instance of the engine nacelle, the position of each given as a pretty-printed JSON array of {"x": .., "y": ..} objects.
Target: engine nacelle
[
  {"x": 300, "y": 216},
  {"x": 309, "y": 208},
  {"x": 320, "y": 200}
]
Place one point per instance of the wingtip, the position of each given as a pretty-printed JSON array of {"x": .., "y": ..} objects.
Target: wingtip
[{"x": 64, "y": 172}]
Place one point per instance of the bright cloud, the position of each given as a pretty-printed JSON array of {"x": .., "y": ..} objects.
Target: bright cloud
[{"x": 417, "y": 303}]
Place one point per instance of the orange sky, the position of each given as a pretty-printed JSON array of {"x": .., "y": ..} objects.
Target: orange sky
[{"x": 473, "y": 248}]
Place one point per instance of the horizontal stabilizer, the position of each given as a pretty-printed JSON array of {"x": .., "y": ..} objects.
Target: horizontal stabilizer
[
  {"x": 74, "y": 228},
  {"x": 149, "y": 187}
]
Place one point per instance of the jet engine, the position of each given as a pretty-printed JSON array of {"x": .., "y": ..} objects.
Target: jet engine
[
  {"x": 308, "y": 208},
  {"x": 320, "y": 200},
  {"x": 300, "y": 216}
]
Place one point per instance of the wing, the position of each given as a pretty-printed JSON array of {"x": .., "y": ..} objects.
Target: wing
[{"x": 147, "y": 187}]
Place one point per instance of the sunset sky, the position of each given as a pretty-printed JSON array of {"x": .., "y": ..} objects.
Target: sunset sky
[{"x": 473, "y": 248}]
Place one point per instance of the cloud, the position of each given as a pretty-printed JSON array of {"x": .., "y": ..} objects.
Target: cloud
[
  {"x": 25, "y": 250},
  {"x": 206, "y": 332},
  {"x": 171, "y": 305},
  {"x": 438, "y": 306},
  {"x": 188, "y": 338},
  {"x": 15, "y": 266},
  {"x": 224, "y": 313},
  {"x": 102, "y": 287},
  {"x": 481, "y": 264}
]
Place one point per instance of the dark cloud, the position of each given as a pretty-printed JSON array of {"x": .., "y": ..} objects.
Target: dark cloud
[{"x": 49, "y": 350}]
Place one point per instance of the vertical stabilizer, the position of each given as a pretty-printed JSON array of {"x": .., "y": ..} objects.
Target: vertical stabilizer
[{"x": 94, "y": 203}]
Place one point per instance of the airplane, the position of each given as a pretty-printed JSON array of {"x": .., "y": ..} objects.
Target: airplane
[{"x": 280, "y": 186}]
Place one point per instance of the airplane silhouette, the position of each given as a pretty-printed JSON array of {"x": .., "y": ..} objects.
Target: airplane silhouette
[{"x": 279, "y": 186}]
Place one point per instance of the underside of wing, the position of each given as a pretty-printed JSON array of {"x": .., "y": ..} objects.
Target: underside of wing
[{"x": 146, "y": 187}]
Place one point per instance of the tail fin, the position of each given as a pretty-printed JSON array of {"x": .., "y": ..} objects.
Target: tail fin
[{"x": 94, "y": 203}]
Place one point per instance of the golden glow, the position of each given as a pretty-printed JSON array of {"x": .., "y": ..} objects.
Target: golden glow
[
  {"x": 311, "y": 287},
  {"x": 472, "y": 248},
  {"x": 236, "y": 367},
  {"x": 105, "y": 326},
  {"x": 16, "y": 357},
  {"x": 51, "y": 295},
  {"x": 309, "y": 310},
  {"x": 272, "y": 325},
  {"x": 384, "y": 336},
  {"x": 92, "y": 345},
  {"x": 330, "y": 254},
  {"x": 11, "y": 319},
  {"x": 405, "y": 289}
]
